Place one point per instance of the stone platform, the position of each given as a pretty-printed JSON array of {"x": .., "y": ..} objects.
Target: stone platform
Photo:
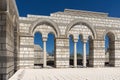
[{"x": 68, "y": 74}]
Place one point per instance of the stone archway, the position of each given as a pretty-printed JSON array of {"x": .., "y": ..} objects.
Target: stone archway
[
  {"x": 41, "y": 21},
  {"x": 45, "y": 27},
  {"x": 110, "y": 51},
  {"x": 83, "y": 22},
  {"x": 84, "y": 29}
]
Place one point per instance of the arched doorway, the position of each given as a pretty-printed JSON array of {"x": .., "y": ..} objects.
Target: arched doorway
[
  {"x": 85, "y": 28},
  {"x": 109, "y": 49},
  {"x": 51, "y": 50},
  {"x": 45, "y": 26}
]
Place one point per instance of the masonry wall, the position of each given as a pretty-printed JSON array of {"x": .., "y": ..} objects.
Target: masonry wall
[
  {"x": 10, "y": 48},
  {"x": 17, "y": 46},
  {"x": 3, "y": 50},
  {"x": 62, "y": 53},
  {"x": 6, "y": 43},
  {"x": 76, "y": 23},
  {"x": 6, "y": 47},
  {"x": 26, "y": 55},
  {"x": 8, "y": 40},
  {"x": 91, "y": 55},
  {"x": 98, "y": 53},
  {"x": 117, "y": 54},
  {"x": 3, "y": 5}
]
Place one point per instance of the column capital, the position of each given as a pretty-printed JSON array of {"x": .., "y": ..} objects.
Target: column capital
[
  {"x": 75, "y": 40},
  {"x": 44, "y": 39},
  {"x": 84, "y": 41}
]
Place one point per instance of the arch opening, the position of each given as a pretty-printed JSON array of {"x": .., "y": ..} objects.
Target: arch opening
[
  {"x": 81, "y": 47},
  {"x": 38, "y": 50},
  {"x": 80, "y": 51},
  {"x": 45, "y": 22},
  {"x": 51, "y": 50},
  {"x": 71, "y": 48},
  {"x": 81, "y": 22},
  {"x": 109, "y": 49}
]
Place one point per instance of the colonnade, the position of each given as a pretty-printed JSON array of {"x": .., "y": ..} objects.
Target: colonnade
[
  {"x": 84, "y": 53},
  {"x": 75, "y": 53}
]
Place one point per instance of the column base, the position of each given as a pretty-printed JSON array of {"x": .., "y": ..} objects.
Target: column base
[{"x": 75, "y": 67}]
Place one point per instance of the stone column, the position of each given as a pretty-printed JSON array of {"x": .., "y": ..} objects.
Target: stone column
[
  {"x": 75, "y": 53},
  {"x": 84, "y": 54},
  {"x": 44, "y": 55}
]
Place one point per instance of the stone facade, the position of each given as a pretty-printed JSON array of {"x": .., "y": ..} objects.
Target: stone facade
[
  {"x": 9, "y": 39},
  {"x": 17, "y": 37},
  {"x": 77, "y": 23}
]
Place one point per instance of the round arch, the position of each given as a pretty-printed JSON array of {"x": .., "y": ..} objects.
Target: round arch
[
  {"x": 109, "y": 31},
  {"x": 44, "y": 21},
  {"x": 110, "y": 50},
  {"x": 81, "y": 21}
]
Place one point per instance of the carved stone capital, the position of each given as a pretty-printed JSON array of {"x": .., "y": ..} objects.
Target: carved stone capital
[
  {"x": 44, "y": 39},
  {"x": 75, "y": 40},
  {"x": 84, "y": 40}
]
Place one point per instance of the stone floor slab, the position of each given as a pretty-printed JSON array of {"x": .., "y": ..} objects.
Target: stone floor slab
[{"x": 68, "y": 74}]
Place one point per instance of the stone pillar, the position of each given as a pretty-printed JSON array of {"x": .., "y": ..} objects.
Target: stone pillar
[
  {"x": 84, "y": 54},
  {"x": 44, "y": 56},
  {"x": 6, "y": 43},
  {"x": 91, "y": 56},
  {"x": 7, "y": 39},
  {"x": 98, "y": 53},
  {"x": 116, "y": 54},
  {"x": 75, "y": 53},
  {"x": 26, "y": 56},
  {"x": 6, "y": 60},
  {"x": 62, "y": 53}
]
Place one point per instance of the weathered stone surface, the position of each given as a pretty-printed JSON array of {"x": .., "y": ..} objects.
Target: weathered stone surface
[
  {"x": 68, "y": 74},
  {"x": 17, "y": 37}
]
